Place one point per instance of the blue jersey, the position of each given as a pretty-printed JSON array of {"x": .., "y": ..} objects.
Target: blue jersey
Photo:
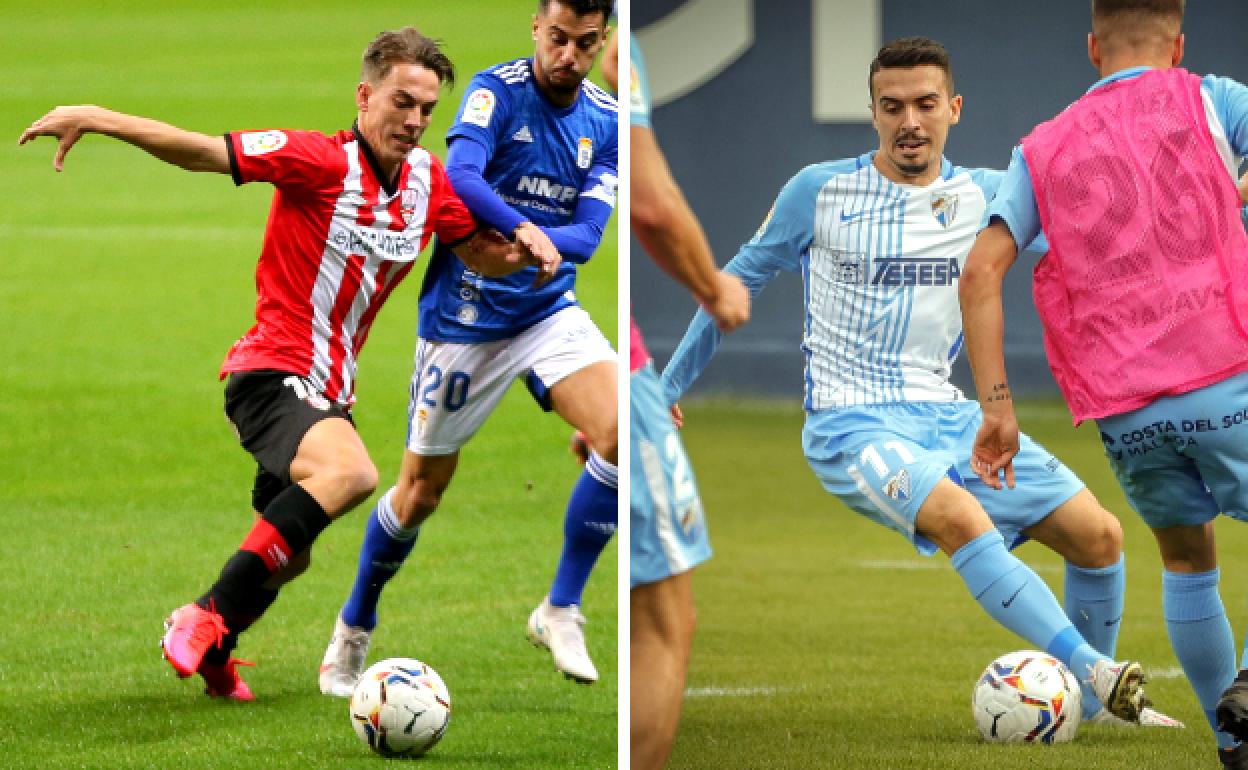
[
  {"x": 1226, "y": 108},
  {"x": 880, "y": 263},
  {"x": 543, "y": 161}
]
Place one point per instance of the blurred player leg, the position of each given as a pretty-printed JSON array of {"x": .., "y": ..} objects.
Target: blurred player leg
[{"x": 662, "y": 618}]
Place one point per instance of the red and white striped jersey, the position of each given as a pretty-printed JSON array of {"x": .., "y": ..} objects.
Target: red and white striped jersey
[{"x": 337, "y": 242}]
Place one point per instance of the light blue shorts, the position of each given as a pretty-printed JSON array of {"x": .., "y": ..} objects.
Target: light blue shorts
[
  {"x": 668, "y": 528},
  {"x": 1183, "y": 459},
  {"x": 884, "y": 460}
]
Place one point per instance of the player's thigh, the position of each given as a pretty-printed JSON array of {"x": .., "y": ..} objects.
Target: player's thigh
[
  {"x": 1154, "y": 465},
  {"x": 570, "y": 366},
  {"x": 668, "y": 533},
  {"x": 272, "y": 412},
  {"x": 880, "y": 462},
  {"x": 1043, "y": 484},
  {"x": 586, "y": 400},
  {"x": 1082, "y": 531},
  {"x": 454, "y": 389}
]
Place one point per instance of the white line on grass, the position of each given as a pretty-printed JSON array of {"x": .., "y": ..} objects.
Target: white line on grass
[
  {"x": 728, "y": 692},
  {"x": 1173, "y": 672}
]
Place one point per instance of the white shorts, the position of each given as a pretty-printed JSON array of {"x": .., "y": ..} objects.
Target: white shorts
[{"x": 455, "y": 386}]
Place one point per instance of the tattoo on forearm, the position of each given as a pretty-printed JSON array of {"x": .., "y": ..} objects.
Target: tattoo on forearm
[{"x": 998, "y": 392}]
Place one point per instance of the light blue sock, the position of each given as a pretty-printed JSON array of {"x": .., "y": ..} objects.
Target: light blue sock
[
  {"x": 1201, "y": 637},
  {"x": 1094, "y": 599},
  {"x": 590, "y": 521},
  {"x": 1015, "y": 596},
  {"x": 386, "y": 546}
]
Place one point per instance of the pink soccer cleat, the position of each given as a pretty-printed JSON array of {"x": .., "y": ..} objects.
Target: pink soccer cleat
[
  {"x": 190, "y": 631},
  {"x": 223, "y": 681}
]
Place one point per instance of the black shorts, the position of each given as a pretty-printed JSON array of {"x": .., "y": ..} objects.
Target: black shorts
[{"x": 271, "y": 412}]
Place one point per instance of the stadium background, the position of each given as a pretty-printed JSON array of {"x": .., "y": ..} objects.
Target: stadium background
[
  {"x": 122, "y": 491},
  {"x": 823, "y": 640},
  {"x": 734, "y": 141}
]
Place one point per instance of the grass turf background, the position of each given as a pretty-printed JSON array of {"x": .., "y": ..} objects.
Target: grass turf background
[
  {"x": 122, "y": 284},
  {"x": 825, "y": 641}
]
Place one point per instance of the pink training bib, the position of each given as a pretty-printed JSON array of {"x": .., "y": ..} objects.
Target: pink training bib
[{"x": 1142, "y": 293}]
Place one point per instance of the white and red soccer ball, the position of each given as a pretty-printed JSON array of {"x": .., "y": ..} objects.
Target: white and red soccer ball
[
  {"x": 1027, "y": 697},
  {"x": 400, "y": 707}
]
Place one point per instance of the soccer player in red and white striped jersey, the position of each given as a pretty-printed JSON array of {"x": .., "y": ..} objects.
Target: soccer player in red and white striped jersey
[{"x": 350, "y": 215}]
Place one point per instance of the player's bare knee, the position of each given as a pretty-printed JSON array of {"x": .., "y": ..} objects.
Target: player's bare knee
[
  {"x": 416, "y": 503},
  {"x": 1103, "y": 547},
  {"x": 356, "y": 477},
  {"x": 606, "y": 442}
]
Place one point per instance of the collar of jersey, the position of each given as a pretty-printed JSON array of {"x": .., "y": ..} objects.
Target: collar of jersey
[
  {"x": 390, "y": 186},
  {"x": 560, "y": 111},
  {"x": 1129, "y": 72},
  {"x": 868, "y": 159}
]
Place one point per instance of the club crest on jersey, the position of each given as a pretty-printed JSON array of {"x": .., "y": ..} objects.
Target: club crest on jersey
[
  {"x": 898, "y": 487},
  {"x": 411, "y": 198},
  {"x": 467, "y": 314},
  {"x": 945, "y": 208},
  {"x": 478, "y": 107},
  {"x": 584, "y": 152},
  {"x": 849, "y": 267},
  {"x": 635, "y": 101},
  {"x": 261, "y": 142}
]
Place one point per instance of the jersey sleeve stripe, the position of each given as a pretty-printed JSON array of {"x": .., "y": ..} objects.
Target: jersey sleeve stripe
[{"x": 235, "y": 172}]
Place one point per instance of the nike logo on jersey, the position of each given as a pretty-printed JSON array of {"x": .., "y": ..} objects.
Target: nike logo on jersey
[
  {"x": 523, "y": 135},
  {"x": 848, "y": 217},
  {"x": 1006, "y": 604}
]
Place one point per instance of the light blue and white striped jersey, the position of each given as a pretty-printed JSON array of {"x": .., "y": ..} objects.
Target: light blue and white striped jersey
[{"x": 880, "y": 263}]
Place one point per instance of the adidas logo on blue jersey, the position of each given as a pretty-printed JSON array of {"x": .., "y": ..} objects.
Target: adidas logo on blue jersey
[{"x": 523, "y": 135}]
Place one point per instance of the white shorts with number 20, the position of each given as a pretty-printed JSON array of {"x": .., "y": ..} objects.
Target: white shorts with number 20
[{"x": 455, "y": 386}]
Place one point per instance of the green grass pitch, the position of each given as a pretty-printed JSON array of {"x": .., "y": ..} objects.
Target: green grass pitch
[
  {"x": 122, "y": 284},
  {"x": 824, "y": 641}
]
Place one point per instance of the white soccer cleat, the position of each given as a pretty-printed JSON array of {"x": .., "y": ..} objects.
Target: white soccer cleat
[
  {"x": 1149, "y": 717},
  {"x": 1119, "y": 688},
  {"x": 344, "y": 659},
  {"x": 558, "y": 629}
]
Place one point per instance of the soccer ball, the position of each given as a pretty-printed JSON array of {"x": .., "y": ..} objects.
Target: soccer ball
[
  {"x": 400, "y": 707},
  {"x": 1026, "y": 697}
]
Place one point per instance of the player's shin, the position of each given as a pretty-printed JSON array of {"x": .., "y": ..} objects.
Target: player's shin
[
  {"x": 386, "y": 546},
  {"x": 1201, "y": 637},
  {"x": 589, "y": 522},
  {"x": 1015, "y": 596},
  {"x": 289, "y": 525},
  {"x": 1094, "y": 604}
]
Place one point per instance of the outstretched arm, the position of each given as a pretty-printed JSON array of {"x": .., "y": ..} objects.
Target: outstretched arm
[
  {"x": 185, "y": 149},
  {"x": 983, "y": 322}
]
